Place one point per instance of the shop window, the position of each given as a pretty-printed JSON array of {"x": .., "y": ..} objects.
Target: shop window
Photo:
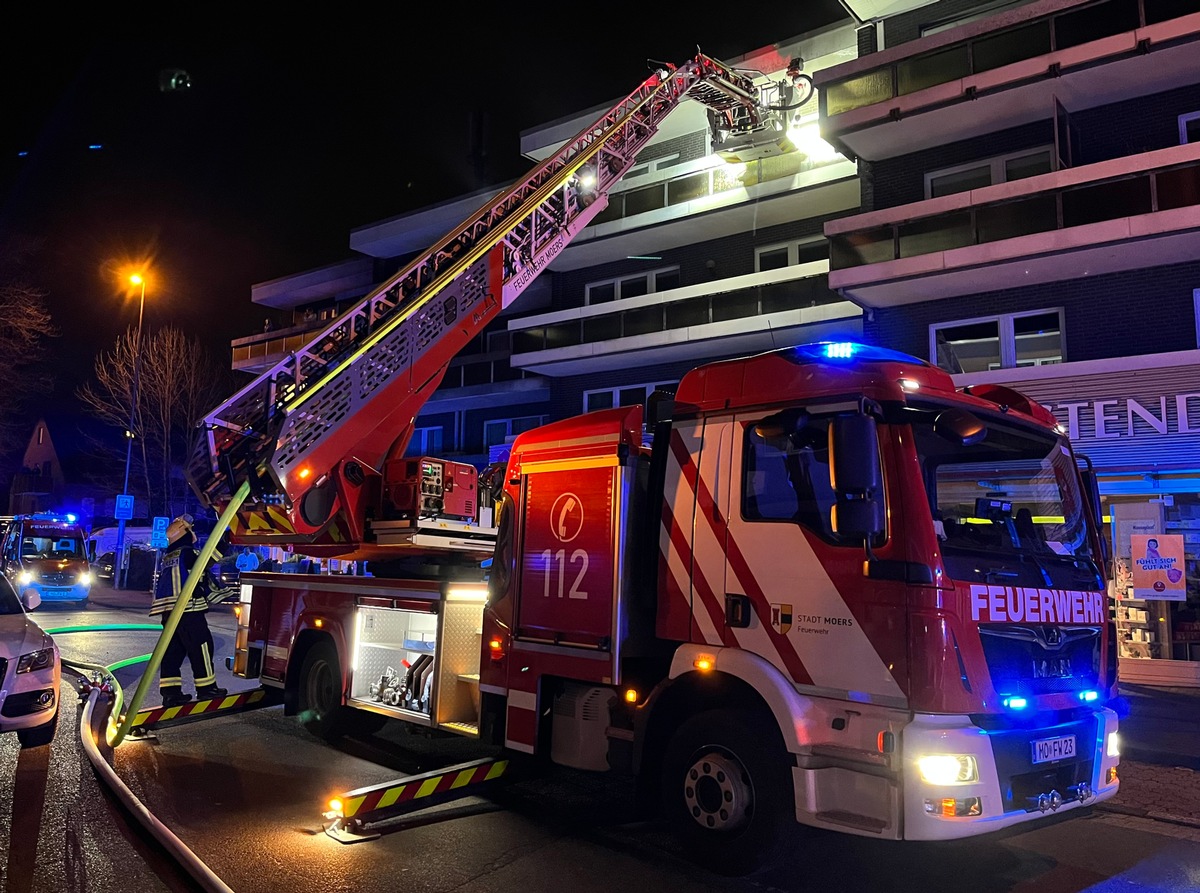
[
  {"x": 988, "y": 171},
  {"x": 1000, "y": 342}
]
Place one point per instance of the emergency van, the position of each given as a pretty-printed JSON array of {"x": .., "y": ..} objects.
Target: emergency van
[{"x": 45, "y": 553}]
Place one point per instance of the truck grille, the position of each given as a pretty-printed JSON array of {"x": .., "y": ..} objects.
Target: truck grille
[
  {"x": 1030, "y": 659},
  {"x": 1022, "y": 781}
]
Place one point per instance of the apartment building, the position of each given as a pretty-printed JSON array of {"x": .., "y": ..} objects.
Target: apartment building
[{"x": 1030, "y": 216}]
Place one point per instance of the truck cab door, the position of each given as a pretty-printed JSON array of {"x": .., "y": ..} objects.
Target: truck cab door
[{"x": 804, "y": 604}]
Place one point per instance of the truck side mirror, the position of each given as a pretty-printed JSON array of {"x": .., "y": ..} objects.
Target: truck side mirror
[
  {"x": 1091, "y": 491},
  {"x": 855, "y": 478}
]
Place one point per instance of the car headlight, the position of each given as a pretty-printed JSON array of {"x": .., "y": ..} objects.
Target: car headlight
[
  {"x": 947, "y": 768},
  {"x": 25, "y": 578},
  {"x": 85, "y": 579},
  {"x": 36, "y": 660}
]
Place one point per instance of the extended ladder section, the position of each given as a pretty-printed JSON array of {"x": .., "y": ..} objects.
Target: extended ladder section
[{"x": 329, "y": 415}]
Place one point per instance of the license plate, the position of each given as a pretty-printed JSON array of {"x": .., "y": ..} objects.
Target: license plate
[{"x": 1053, "y": 749}]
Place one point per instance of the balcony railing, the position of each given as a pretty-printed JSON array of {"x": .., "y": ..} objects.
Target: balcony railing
[
  {"x": 663, "y": 313},
  {"x": 1029, "y": 39},
  {"x": 709, "y": 181},
  {"x": 1041, "y": 204}
]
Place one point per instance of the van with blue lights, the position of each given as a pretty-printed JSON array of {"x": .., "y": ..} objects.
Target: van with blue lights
[{"x": 46, "y": 553}]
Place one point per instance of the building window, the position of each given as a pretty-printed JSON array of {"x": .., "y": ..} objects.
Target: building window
[
  {"x": 974, "y": 16},
  {"x": 776, "y": 257},
  {"x": 629, "y": 395},
  {"x": 998, "y": 342},
  {"x": 1196, "y": 312},
  {"x": 498, "y": 432},
  {"x": 426, "y": 442},
  {"x": 499, "y": 342},
  {"x": 1189, "y": 128},
  {"x": 977, "y": 174},
  {"x": 631, "y": 286}
]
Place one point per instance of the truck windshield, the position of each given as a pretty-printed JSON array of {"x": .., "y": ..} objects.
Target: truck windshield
[{"x": 1008, "y": 509}]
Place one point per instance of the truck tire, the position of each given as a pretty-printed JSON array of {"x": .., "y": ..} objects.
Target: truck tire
[
  {"x": 726, "y": 791},
  {"x": 320, "y": 698}
]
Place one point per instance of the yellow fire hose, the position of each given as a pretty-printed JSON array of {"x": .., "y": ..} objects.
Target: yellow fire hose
[{"x": 115, "y": 737}]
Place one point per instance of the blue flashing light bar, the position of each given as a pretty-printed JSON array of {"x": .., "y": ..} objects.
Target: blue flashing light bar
[
  {"x": 839, "y": 351},
  {"x": 1016, "y": 703},
  {"x": 1089, "y": 695}
]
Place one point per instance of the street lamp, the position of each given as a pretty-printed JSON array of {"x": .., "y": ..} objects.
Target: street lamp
[{"x": 121, "y": 575}]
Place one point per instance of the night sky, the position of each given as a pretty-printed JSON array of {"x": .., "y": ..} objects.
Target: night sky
[{"x": 292, "y": 133}]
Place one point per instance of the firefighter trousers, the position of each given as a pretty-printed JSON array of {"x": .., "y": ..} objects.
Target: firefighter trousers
[{"x": 193, "y": 641}]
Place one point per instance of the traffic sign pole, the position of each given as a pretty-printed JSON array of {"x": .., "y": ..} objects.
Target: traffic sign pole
[{"x": 123, "y": 512}]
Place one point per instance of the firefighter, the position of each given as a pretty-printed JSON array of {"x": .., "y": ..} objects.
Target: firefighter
[{"x": 192, "y": 639}]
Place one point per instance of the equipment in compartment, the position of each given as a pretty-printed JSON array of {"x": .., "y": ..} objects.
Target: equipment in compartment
[
  {"x": 417, "y": 695},
  {"x": 431, "y": 488},
  {"x": 389, "y": 689}
]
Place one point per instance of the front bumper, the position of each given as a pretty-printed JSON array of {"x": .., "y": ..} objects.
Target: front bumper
[
  {"x": 1010, "y": 788},
  {"x": 77, "y": 592}
]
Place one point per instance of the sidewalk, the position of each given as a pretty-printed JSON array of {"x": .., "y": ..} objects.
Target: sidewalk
[{"x": 1160, "y": 754}]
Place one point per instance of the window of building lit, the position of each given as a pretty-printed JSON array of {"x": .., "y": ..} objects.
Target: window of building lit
[{"x": 998, "y": 342}]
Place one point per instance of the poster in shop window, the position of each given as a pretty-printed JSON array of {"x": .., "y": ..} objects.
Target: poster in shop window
[{"x": 1158, "y": 568}]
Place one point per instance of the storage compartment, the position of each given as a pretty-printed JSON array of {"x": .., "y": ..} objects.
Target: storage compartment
[{"x": 422, "y": 665}]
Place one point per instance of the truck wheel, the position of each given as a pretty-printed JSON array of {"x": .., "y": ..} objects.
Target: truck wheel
[
  {"x": 321, "y": 708},
  {"x": 726, "y": 790}
]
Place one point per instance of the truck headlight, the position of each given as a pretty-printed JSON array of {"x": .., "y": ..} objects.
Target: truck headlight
[
  {"x": 1113, "y": 747},
  {"x": 25, "y": 578},
  {"x": 947, "y": 768},
  {"x": 36, "y": 660},
  {"x": 85, "y": 578}
]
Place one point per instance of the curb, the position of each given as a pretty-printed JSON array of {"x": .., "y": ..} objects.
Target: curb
[
  {"x": 1149, "y": 814},
  {"x": 1159, "y": 757}
]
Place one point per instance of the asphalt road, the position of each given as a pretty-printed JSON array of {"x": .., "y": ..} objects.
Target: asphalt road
[{"x": 245, "y": 793}]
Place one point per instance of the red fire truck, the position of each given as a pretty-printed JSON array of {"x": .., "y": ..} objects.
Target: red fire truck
[{"x": 818, "y": 585}]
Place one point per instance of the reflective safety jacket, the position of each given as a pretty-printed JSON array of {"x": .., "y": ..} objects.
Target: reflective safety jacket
[{"x": 172, "y": 575}]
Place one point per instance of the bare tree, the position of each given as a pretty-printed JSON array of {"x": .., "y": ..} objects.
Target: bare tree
[
  {"x": 25, "y": 325},
  {"x": 176, "y": 381}
]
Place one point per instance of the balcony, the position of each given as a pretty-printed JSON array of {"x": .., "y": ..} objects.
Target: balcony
[
  {"x": 741, "y": 314},
  {"x": 1126, "y": 213},
  {"x": 256, "y": 353},
  {"x": 1006, "y": 70}
]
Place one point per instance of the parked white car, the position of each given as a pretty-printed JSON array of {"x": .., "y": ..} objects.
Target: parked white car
[{"x": 30, "y": 671}]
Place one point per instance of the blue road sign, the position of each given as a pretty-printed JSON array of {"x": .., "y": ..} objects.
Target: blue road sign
[
  {"x": 158, "y": 533},
  {"x": 124, "y": 509}
]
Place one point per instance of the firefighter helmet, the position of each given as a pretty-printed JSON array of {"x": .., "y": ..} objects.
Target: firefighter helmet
[{"x": 177, "y": 528}]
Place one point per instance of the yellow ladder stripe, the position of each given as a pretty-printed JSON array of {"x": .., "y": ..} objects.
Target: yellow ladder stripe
[
  {"x": 497, "y": 770},
  {"x": 392, "y": 796},
  {"x": 428, "y": 786}
]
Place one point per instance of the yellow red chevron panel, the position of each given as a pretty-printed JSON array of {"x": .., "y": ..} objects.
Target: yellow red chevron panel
[
  {"x": 152, "y": 715},
  {"x": 413, "y": 789},
  {"x": 260, "y": 520}
]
